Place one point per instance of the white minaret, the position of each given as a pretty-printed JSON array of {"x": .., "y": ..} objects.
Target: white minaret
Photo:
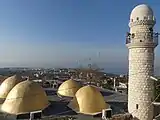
[{"x": 141, "y": 42}]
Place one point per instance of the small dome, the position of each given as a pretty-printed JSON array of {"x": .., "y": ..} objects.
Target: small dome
[
  {"x": 142, "y": 12},
  {"x": 88, "y": 100},
  {"x": 25, "y": 97},
  {"x": 68, "y": 88},
  {"x": 8, "y": 84}
]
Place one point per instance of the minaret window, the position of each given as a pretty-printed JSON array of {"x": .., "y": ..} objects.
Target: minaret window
[
  {"x": 136, "y": 106},
  {"x": 137, "y": 18},
  {"x": 133, "y": 35}
]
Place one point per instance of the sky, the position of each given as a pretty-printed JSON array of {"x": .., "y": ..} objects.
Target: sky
[{"x": 66, "y": 33}]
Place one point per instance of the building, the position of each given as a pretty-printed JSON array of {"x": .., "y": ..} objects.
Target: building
[
  {"x": 29, "y": 98},
  {"x": 141, "y": 42}
]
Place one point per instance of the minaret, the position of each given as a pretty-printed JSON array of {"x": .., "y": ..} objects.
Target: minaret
[{"x": 141, "y": 42}]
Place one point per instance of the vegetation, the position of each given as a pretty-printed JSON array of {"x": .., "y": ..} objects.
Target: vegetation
[{"x": 107, "y": 86}]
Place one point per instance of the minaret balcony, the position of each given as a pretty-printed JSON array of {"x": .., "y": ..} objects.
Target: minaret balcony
[{"x": 146, "y": 40}]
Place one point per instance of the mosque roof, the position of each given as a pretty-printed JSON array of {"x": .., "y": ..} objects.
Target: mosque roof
[
  {"x": 68, "y": 88},
  {"x": 88, "y": 100},
  {"x": 8, "y": 84},
  {"x": 60, "y": 107},
  {"x": 25, "y": 97}
]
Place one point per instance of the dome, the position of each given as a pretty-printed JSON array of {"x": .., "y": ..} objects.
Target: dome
[
  {"x": 88, "y": 100},
  {"x": 68, "y": 88},
  {"x": 8, "y": 84},
  {"x": 25, "y": 97},
  {"x": 142, "y": 12}
]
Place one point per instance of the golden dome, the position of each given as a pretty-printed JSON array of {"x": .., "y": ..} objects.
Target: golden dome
[
  {"x": 68, "y": 88},
  {"x": 88, "y": 100},
  {"x": 8, "y": 84},
  {"x": 25, "y": 97}
]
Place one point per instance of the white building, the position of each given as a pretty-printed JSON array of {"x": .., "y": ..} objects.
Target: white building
[
  {"x": 141, "y": 42},
  {"x": 122, "y": 85}
]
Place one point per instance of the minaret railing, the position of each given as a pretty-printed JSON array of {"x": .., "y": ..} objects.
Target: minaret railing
[{"x": 153, "y": 36}]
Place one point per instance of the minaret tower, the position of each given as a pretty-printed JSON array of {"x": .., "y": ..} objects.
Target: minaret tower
[{"x": 141, "y": 42}]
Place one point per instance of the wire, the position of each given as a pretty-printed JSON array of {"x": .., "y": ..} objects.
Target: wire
[
  {"x": 72, "y": 88},
  {"x": 151, "y": 103},
  {"x": 148, "y": 105},
  {"x": 139, "y": 72},
  {"x": 40, "y": 93},
  {"x": 136, "y": 73},
  {"x": 36, "y": 94},
  {"x": 134, "y": 110}
]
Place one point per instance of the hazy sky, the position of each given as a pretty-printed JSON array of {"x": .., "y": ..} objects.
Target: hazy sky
[{"x": 62, "y": 32}]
